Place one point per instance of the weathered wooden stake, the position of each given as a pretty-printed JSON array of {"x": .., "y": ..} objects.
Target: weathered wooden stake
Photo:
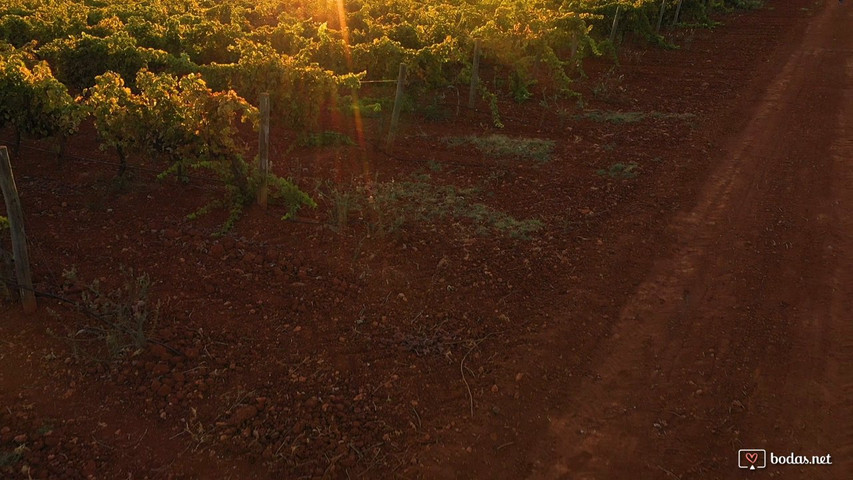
[
  {"x": 615, "y": 24},
  {"x": 575, "y": 45},
  {"x": 660, "y": 16},
  {"x": 398, "y": 105},
  {"x": 475, "y": 76},
  {"x": 19, "y": 237},
  {"x": 264, "y": 149},
  {"x": 677, "y": 13}
]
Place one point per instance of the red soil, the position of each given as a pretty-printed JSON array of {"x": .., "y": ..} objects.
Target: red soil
[{"x": 655, "y": 325}]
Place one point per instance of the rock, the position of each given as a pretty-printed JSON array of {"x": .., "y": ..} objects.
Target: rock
[
  {"x": 160, "y": 352},
  {"x": 161, "y": 369},
  {"x": 243, "y": 414},
  {"x": 443, "y": 263},
  {"x": 164, "y": 390},
  {"x": 51, "y": 440},
  {"x": 228, "y": 243}
]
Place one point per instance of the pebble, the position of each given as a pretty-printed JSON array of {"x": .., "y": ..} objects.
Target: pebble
[{"x": 243, "y": 414}]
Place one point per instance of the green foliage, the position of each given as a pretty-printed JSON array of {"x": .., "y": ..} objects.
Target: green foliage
[
  {"x": 325, "y": 139},
  {"x": 191, "y": 126},
  {"x": 523, "y": 35},
  {"x": 492, "y": 98},
  {"x": 621, "y": 171},
  {"x": 343, "y": 203},
  {"x": 497, "y": 145},
  {"x": 617, "y": 118},
  {"x": 12, "y": 457},
  {"x": 125, "y": 315},
  {"x": 398, "y": 204},
  {"x": 120, "y": 116},
  {"x": 612, "y": 117},
  {"x": 200, "y": 125},
  {"x": 366, "y": 107},
  {"x": 743, "y": 4},
  {"x": 299, "y": 93},
  {"x": 79, "y": 59},
  {"x": 289, "y": 194},
  {"x": 35, "y": 102},
  {"x": 4, "y": 223},
  {"x": 22, "y": 22},
  {"x": 304, "y": 52}
]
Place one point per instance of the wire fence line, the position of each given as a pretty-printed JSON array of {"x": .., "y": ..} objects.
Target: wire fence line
[
  {"x": 139, "y": 168},
  {"x": 444, "y": 157},
  {"x": 101, "y": 317}
]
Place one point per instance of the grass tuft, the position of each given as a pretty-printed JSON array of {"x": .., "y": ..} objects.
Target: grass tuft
[
  {"x": 621, "y": 171},
  {"x": 502, "y": 146}
]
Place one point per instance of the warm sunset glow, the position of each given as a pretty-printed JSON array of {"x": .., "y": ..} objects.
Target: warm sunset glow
[{"x": 359, "y": 124}]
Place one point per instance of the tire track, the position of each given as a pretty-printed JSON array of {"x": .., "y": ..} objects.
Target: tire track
[{"x": 741, "y": 338}]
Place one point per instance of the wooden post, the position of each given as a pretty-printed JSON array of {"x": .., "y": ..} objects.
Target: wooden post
[
  {"x": 615, "y": 24},
  {"x": 19, "y": 237},
  {"x": 398, "y": 104},
  {"x": 677, "y": 13},
  {"x": 264, "y": 149},
  {"x": 575, "y": 45},
  {"x": 475, "y": 76},
  {"x": 660, "y": 16}
]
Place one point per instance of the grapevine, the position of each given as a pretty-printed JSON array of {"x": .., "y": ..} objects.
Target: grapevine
[{"x": 35, "y": 103}]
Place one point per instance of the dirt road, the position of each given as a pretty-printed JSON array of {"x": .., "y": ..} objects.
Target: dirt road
[{"x": 743, "y": 336}]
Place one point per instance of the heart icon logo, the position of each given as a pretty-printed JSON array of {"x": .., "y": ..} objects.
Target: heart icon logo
[{"x": 751, "y": 458}]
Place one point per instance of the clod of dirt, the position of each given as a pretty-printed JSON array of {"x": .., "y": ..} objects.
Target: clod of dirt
[{"x": 243, "y": 414}]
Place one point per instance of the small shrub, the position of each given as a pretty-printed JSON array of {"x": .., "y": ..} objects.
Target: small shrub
[
  {"x": 396, "y": 204},
  {"x": 612, "y": 117},
  {"x": 610, "y": 88},
  {"x": 327, "y": 138},
  {"x": 126, "y": 316},
  {"x": 366, "y": 107},
  {"x": 508, "y": 147},
  {"x": 10, "y": 458},
  {"x": 622, "y": 171},
  {"x": 343, "y": 203}
]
